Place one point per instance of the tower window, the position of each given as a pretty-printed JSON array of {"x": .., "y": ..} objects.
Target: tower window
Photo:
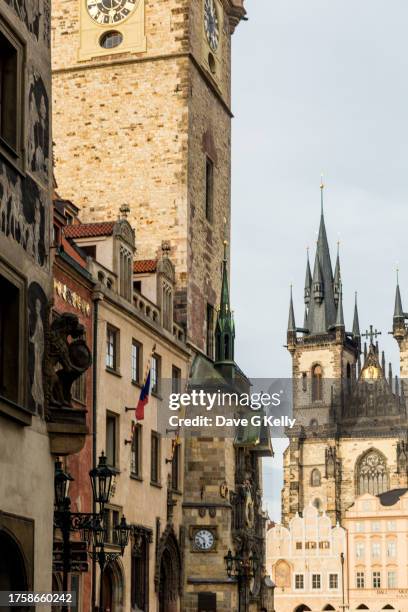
[
  {"x": 209, "y": 188},
  {"x": 317, "y": 383},
  {"x": 111, "y": 39}
]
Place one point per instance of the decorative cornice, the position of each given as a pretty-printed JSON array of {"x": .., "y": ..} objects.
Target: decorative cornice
[{"x": 236, "y": 12}]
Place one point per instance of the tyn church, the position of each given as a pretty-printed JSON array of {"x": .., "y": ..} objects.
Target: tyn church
[{"x": 351, "y": 415}]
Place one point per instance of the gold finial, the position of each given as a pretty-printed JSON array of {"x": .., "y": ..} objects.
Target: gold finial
[{"x": 321, "y": 182}]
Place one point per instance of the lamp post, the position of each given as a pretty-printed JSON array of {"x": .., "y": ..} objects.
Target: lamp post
[
  {"x": 103, "y": 558},
  {"x": 88, "y": 522},
  {"x": 243, "y": 568}
]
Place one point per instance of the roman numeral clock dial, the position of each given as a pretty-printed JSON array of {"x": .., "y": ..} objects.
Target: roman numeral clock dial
[
  {"x": 107, "y": 12},
  {"x": 211, "y": 24}
]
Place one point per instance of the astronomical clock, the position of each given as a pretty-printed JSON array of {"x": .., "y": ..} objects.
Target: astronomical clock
[{"x": 111, "y": 26}]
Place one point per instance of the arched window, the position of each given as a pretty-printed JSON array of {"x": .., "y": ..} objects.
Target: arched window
[
  {"x": 317, "y": 383},
  {"x": 315, "y": 478},
  {"x": 372, "y": 474}
]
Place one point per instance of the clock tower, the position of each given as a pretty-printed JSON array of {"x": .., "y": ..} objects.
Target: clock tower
[{"x": 142, "y": 115}]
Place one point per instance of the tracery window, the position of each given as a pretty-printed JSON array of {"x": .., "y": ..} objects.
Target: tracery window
[
  {"x": 317, "y": 383},
  {"x": 372, "y": 475}
]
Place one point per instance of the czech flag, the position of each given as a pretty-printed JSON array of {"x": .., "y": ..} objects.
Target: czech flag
[{"x": 143, "y": 399}]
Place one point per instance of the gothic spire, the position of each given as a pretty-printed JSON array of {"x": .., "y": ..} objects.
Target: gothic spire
[
  {"x": 337, "y": 276},
  {"x": 398, "y": 311},
  {"x": 356, "y": 322},
  {"x": 225, "y": 328},
  {"x": 322, "y": 311},
  {"x": 398, "y": 321},
  {"x": 305, "y": 324},
  {"x": 291, "y": 320},
  {"x": 340, "y": 314},
  {"x": 308, "y": 280}
]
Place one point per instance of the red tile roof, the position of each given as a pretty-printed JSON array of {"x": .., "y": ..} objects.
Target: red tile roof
[
  {"x": 89, "y": 230},
  {"x": 144, "y": 265}
]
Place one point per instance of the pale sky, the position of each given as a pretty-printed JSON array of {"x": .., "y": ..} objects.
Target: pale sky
[{"x": 318, "y": 86}]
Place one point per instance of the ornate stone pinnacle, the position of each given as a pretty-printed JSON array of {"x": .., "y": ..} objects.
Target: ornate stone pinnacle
[{"x": 124, "y": 210}]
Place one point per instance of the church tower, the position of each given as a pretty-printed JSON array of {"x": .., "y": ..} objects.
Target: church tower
[
  {"x": 142, "y": 115},
  {"x": 350, "y": 419}
]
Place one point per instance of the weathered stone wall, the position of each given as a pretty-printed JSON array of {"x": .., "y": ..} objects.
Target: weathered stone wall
[{"x": 136, "y": 128}]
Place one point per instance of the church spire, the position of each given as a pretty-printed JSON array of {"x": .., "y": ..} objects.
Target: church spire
[
  {"x": 398, "y": 321},
  {"x": 337, "y": 276},
  {"x": 322, "y": 310},
  {"x": 356, "y": 321},
  {"x": 340, "y": 313},
  {"x": 225, "y": 328},
  {"x": 398, "y": 312},
  {"x": 291, "y": 320},
  {"x": 308, "y": 280}
]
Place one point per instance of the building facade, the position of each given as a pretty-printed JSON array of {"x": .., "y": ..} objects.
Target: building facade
[
  {"x": 132, "y": 335},
  {"x": 377, "y": 528},
  {"x": 26, "y": 483},
  {"x": 351, "y": 421},
  {"x": 307, "y": 562},
  {"x": 142, "y": 101},
  {"x": 73, "y": 292}
]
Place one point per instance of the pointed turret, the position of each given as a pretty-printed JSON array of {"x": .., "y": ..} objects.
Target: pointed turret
[
  {"x": 356, "y": 321},
  {"x": 340, "y": 313},
  {"x": 305, "y": 324},
  {"x": 317, "y": 282},
  {"x": 398, "y": 321},
  {"x": 225, "y": 328},
  {"x": 337, "y": 277},
  {"x": 322, "y": 312},
  {"x": 398, "y": 312},
  {"x": 291, "y": 320},
  {"x": 308, "y": 281}
]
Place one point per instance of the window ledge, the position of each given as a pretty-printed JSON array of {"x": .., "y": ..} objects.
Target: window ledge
[
  {"x": 135, "y": 383},
  {"x": 14, "y": 411},
  {"x": 136, "y": 477},
  {"x": 157, "y": 395},
  {"x": 156, "y": 484},
  {"x": 114, "y": 372},
  {"x": 177, "y": 491}
]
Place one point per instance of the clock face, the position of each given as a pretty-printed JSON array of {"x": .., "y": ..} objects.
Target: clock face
[
  {"x": 204, "y": 539},
  {"x": 108, "y": 12},
  {"x": 211, "y": 24}
]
